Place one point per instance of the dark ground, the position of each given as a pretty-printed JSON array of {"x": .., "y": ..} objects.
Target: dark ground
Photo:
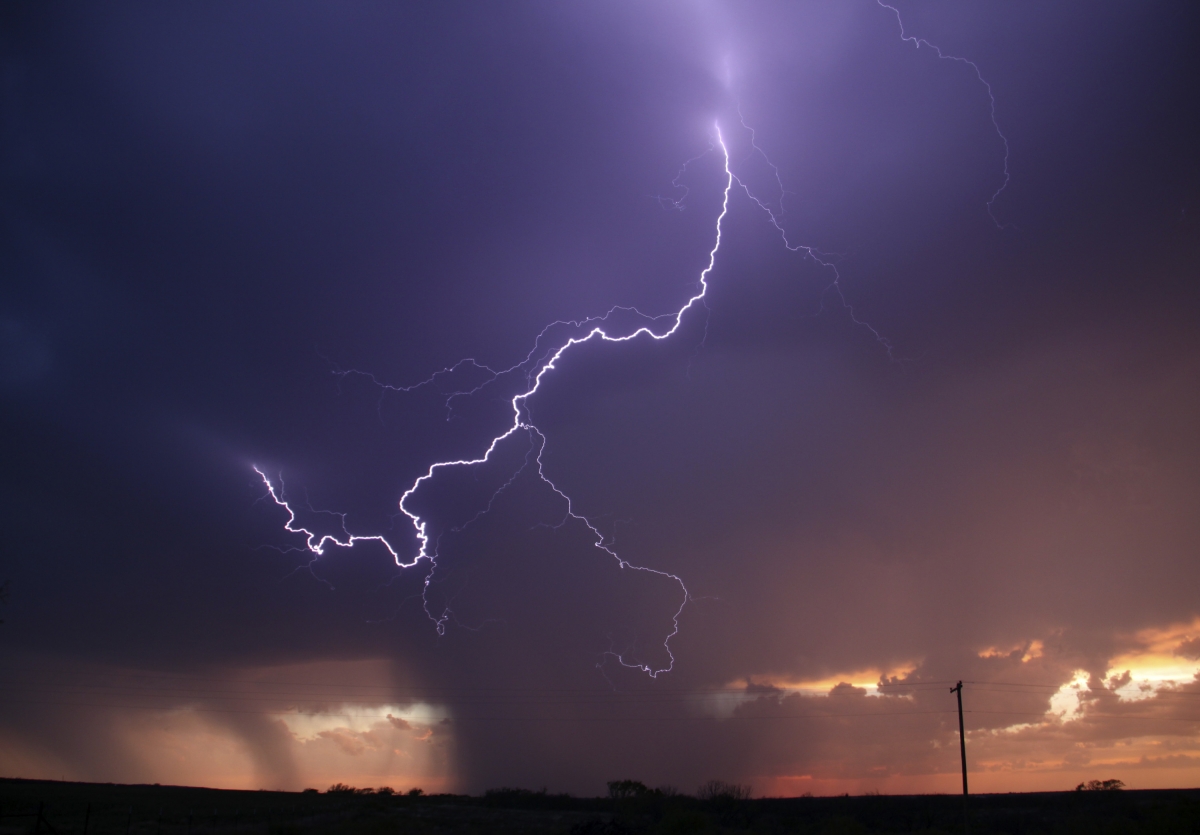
[{"x": 170, "y": 810}]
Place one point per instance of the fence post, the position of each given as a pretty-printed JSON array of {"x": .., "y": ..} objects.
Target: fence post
[{"x": 87, "y": 816}]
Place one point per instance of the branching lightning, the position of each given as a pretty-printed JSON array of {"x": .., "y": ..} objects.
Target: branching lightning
[
  {"x": 809, "y": 252},
  {"x": 542, "y": 362},
  {"x": 550, "y": 349},
  {"x": 919, "y": 42}
]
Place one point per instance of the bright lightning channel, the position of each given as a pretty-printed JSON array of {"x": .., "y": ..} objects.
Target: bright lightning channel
[
  {"x": 541, "y": 360},
  {"x": 522, "y": 423}
]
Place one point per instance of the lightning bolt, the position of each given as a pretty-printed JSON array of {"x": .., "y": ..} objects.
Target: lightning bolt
[
  {"x": 919, "y": 42},
  {"x": 542, "y": 362},
  {"x": 809, "y": 252},
  {"x": 546, "y": 356},
  {"x": 315, "y": 543}
]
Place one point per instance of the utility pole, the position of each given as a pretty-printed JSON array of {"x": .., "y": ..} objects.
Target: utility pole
[{"x": 962, "y": 748}]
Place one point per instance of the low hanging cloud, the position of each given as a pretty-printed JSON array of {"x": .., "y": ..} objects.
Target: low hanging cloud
[{"x": 276, "y": 728}]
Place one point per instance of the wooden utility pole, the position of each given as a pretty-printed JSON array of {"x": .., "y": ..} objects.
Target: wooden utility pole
[{"x": 962, "y": 748}]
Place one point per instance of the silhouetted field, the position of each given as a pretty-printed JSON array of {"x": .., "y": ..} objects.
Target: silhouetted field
[{"x": 108, "y": 809}]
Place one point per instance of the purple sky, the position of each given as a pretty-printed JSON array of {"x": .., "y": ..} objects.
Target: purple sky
[{"x": 229, "y": 233}]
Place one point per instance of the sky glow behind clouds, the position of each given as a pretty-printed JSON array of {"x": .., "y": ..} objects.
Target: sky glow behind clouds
[{"x": 210, "y": 214}]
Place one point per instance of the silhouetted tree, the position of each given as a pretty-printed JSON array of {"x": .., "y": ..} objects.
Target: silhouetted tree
[
  {"x": 720, "y": 790},
  {"x": 1100, "y": 786},
  {"x": 624, "y": 789}
]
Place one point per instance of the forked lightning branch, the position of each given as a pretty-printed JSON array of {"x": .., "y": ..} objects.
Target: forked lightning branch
[{"x": 548, "y": 356}]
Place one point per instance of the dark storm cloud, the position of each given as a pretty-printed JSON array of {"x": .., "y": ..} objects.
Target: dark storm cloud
[{"x": 210, "y": 213}]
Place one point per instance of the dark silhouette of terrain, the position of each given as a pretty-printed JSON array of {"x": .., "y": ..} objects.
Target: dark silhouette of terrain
[{"x": 60, "y": 808}]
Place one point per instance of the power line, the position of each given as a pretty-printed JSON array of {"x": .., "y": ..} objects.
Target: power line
[{"x": 732, "y": 717}]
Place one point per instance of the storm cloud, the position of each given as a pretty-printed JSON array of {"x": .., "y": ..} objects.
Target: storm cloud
[{"x": 951, "y": 442}]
